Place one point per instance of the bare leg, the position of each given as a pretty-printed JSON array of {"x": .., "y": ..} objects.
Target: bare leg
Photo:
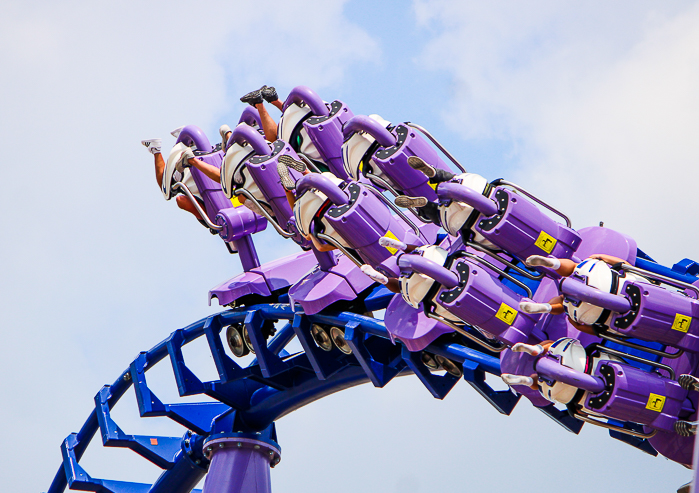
[
  {"x": 159, "y": 167},
  {"x": 268, "y": 124},
  {"x": 562, "y": 266},
  {"x": 186, "y": 205},
  {"x": 209, "y": 170},
  {"x": 319, "y": 246},
  {"x": 290, "y": 197},
  {"x": 277, "y": 104},
  {"x": 393, "y": 285}
]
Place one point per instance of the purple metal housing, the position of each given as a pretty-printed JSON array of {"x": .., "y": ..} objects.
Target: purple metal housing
[
  {"x": 325, "y": 131},
  {"x": 414, "y": 329},
  {"x": 392, "y": 156},
  {"x": 240, "y": 465},
  {"x": 363, "y": 220},
  {"x": 522, "y": 229},
  {"x": 325, "y": 286},
  {"x": 631, "y": 394},
  {"x": 481, "y": 300},
  {"x": 393, "y": 161},
  {"x": 660, "y": 315}
]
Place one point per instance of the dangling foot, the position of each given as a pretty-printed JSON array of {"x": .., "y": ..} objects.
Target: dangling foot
[
  {"x": 253, "y": 97},
  {"x": 153, "y": 145},
  {"x": 223, "y": 131},
  {"x": 375, "y": 275},
  {"x": 269, "y": 94},
  {"x": 292, "y": 163},
  {"x": 539, "y": 261},
  {"x": 287, "y": 181},
  {"x": 530, "y": 349},
  {"x": 183, "y": 161},
  {"x": 176, "y": 133},
  {"x": 407, "y": 202},
  {"x": 688, "y": 382},
  {"x": 420, "y": 165},
  {"x": 531, "y": 307},
  {"x": 685, "y": 428},
  {"x": 387, "y": 242},
  {"x": 510, "y": 379}
]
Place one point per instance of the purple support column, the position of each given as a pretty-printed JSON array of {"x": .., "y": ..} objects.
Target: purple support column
[{"x": 240, "y": 464}]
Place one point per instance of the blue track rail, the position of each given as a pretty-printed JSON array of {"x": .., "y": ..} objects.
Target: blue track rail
[{"x": 251, "y": 398}]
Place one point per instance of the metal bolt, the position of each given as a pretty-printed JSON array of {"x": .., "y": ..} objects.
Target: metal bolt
[
  {"x": 186, "y": 442},
  {"x": 257, "y": 447},
  {"x": 220, "y": 445},
  {"x": 240, "y": 444},
  {"x": 127, "y": 377},
  {"x": 197, "y": 461},
  {"x": 208, "y": 449}
]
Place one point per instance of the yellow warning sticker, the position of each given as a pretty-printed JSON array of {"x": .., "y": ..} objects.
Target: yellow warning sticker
[
  {"x": 655, "y": 402},
  {"x": 546, "y": 242},
  {"x": 506, "y": 313},
  {"x": 433, "y": 185},
  {"x": 681, "y": 323},
  {"x": 236, "y": 201},
  {"x": 392, "y": 236}
]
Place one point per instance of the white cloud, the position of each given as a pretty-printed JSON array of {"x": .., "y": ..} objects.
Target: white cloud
[
  {"x": 96, "y": 266},
  {"x": 599, "y": 100}
]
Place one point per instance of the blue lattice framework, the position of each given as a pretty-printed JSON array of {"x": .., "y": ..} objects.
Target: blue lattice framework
[{"x": 250, "y": 399}]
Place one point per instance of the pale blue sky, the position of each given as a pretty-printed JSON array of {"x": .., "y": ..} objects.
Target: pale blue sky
[{"x": 593, "y": 106}]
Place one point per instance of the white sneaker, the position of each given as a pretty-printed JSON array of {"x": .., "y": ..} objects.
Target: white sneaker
[
  {"x": 539, "y": 261},
  {"x": 531, "y": 307},
  {"x": 510, "y": 379},
  {"x": 153, "y": 145},
  {"x": 530, "y": 349},
  {"x": 183, "y": 161},
  {"x": 375, "y": 275},
  {"x": 176, "y": 133},
  {"x": 223, "y": 130},
  {"x": 387, "y": 242}
]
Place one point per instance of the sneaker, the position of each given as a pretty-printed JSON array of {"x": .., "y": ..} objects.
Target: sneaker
[
  {"x": 153, "y": 145},
  {"x": 539, "y": 261},
  {"x": 253, "y": 97},
  {"x": 375, "y": 275},
  {"x": 292, "y": 163},
  {"x": 176, "y": 133},
  {"x": 688, "y": 382},
  {"x": 420, "y": 165},
  {"x": 531, "y": 307},
  {"x": 387, "y": 242},
  {"x": 530, "y": 349},
  {"x": 517, "y": 379},
  {"x": 223, "y": 130},
  {"x": 183, "y": 161},
  {"x": 287, "y": 181},
  {"x": 269, "y": 93},
  {"x": 408, "y": 202}
]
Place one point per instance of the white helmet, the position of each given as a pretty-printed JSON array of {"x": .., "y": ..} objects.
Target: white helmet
[
  {"x": 414, "y": 286},
  {"x": 292, "y": 131},
  {"x": 598, "y": 274},
  {"x": 306, "y": 207},
  {"x": 454, "y": 215},
  {"x": 572, "y": 354},
  {"x": 172, "y": 176},
  {"x": 355, "y": 149}
]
